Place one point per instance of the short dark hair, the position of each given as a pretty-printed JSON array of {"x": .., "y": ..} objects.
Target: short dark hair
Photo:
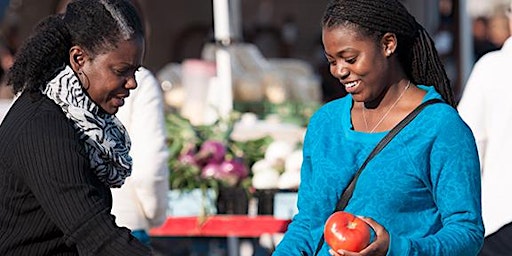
[
  {"x": 95, "y": 25},
  {"x": 416, "y": 51}
]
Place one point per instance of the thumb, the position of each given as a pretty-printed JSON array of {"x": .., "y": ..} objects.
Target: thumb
[{"x": 373, "y": 224}]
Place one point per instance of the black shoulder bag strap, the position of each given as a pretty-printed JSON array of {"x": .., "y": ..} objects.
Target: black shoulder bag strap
[{"x": 347, "y": 194}]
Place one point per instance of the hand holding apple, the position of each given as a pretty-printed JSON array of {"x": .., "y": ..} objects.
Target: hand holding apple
[
  {"x": 378, "y": 247},
  {"x": 345, "y": 231}
]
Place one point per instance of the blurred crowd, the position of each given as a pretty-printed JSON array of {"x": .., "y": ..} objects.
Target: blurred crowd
[{"x": 490, "y": 32}]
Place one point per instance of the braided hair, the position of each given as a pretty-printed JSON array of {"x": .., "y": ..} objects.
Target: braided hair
[
  {"x": 416, "y": 51},
  {"x": 95, "y": 25}
]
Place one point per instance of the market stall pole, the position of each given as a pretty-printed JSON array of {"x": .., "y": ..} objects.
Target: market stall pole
[{"x": 220, "y": 96}]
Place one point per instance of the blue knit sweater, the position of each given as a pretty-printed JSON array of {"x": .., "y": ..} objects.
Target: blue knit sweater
[{"x": 423, "y": 187}]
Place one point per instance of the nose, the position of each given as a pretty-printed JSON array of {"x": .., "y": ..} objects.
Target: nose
[
  {"x": 131, "y": 83},
  {"x": 340, "y": 71}
]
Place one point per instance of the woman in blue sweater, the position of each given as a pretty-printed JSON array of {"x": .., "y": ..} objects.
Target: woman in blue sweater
[{"x": 421, "y": 193}]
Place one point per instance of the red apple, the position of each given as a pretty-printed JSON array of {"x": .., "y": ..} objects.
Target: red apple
[{"x": 345, "y": 231}]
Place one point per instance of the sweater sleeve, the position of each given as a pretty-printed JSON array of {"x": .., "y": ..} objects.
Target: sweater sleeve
[
  {"x": 56, "y": 171},
  {"x": 455, "y": 184}
]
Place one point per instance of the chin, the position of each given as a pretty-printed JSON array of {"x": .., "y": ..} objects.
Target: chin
[
  {"x": 357, "y": 98},
  {"x": 113, "y": 111},
  {"x": 110, "y": 110}
]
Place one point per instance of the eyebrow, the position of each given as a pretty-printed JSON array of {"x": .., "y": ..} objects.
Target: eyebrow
[
  {"x": 129, "y": 65},
  {"x": 340, "y": 53}
]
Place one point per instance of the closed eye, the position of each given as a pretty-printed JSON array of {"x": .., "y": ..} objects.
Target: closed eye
[
  {"x": 121, "y": 72},
  {"x": 125, "y": 72},
  {"x": 351, "y": 60}
]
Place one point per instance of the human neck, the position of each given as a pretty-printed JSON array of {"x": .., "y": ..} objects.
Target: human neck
[{"x": 385, "y": 115}]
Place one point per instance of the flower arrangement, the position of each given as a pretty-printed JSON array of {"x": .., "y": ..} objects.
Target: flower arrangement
[
  {"x": 216, "y": 157},
  {"x": 205, "y": 156}
]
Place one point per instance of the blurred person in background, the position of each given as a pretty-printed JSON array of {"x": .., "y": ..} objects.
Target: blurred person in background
[
  {"x": 481, "y": 42},
  {"x": 9, "y": 41},
  {"x": 6, "y": 60},
  {"x": 141, "y": 203},
  {"x": 486, "y": 106},
  {"x": 445, "y": 37},
  {"x": 497, "y": 27},
  {"x": 6, "y": 94},
  {"x": 61, "y": 146}
]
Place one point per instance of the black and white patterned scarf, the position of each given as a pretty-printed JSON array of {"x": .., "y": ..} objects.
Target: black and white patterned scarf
[{"x": 107, "y": 142}]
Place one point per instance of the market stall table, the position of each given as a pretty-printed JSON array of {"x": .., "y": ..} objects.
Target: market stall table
[{"x": 232, "y": 227}]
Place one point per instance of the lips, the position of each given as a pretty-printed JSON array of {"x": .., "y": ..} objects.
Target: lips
[
  {"x": 351, "y": 86},
  {"x": 118, "y": 101}
]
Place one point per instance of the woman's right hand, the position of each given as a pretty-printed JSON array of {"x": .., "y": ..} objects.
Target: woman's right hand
[{"x": 379, "y": 247}]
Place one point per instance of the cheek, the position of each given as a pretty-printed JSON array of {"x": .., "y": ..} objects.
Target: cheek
[
  {"x": 380, "y": 68},
  {"x": 372, "y": 66},
  {"x": 105, "y": 85},
  {"x": 99, "y": 90},
  {"x": 96, "y": 94}
]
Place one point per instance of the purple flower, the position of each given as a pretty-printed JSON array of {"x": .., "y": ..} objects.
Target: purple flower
[
  {"x": 188, "y": 158},
  {"x": 210, "y": 170},
  {"x": 234, "y": 167},
  {"x": 212, "y": 151}
]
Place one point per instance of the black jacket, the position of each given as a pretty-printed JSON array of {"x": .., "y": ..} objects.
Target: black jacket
[{"x": 51, "y": 202}]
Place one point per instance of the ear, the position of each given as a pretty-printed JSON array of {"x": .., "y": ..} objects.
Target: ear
[
  {"x": 389, "y": 43},
  {"x": 77, "y": 57}
]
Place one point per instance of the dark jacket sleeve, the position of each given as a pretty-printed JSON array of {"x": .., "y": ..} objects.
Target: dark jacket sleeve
[{"x": 56, "y": 170}]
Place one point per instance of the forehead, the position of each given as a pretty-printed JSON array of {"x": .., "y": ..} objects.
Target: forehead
[
  {"x": 341, "y": 30},
  {"x": 130, "y": 52},
  {"x": 344, "y": 37}
]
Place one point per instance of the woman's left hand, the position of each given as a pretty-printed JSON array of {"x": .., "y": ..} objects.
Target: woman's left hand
[{"x": 379, "y": 247}]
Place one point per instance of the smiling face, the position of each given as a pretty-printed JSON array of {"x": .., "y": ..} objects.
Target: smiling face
[
  {"x": 108, "y": 77},
  {"x": 358, "y": 62}
]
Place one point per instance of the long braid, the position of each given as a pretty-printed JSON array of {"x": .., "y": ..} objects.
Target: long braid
[
  {"x": 416, "y": 51},
  {"x": 428, "y": 69}
]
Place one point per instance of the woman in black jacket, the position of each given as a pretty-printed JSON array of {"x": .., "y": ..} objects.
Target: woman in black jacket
[{"x": 61, "y": 147}]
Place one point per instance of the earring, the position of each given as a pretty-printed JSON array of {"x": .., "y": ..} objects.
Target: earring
[{"x": 389, "y": 52}]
